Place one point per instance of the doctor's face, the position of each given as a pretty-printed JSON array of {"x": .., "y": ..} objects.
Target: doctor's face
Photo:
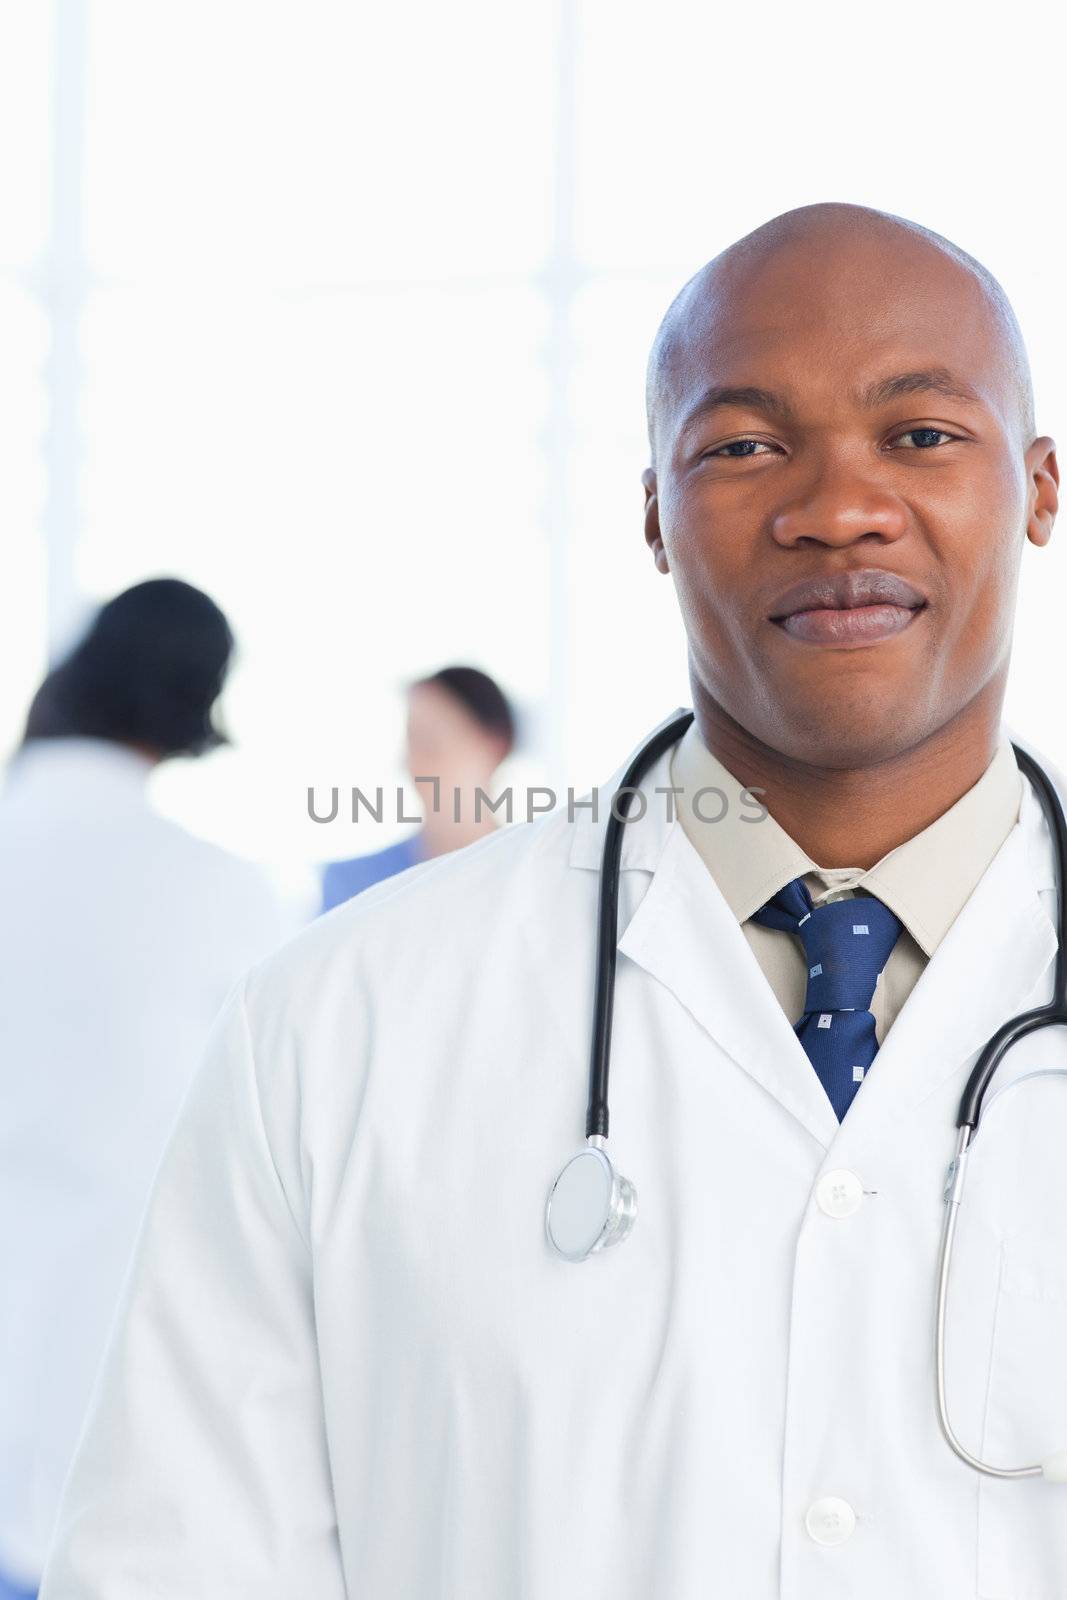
[{"x": 841, "y": 426}]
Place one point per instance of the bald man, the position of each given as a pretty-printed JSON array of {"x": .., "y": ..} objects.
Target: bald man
[{"x": 350, "y": 1361}]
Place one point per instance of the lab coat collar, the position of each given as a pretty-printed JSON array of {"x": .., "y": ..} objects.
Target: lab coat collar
[{"x": 684, "y": 934}]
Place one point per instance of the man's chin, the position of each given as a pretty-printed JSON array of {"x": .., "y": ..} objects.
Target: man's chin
[{"x": 863, "y": 733}]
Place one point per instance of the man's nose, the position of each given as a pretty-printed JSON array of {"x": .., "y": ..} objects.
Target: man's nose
[{"x": 840, "y": 506}]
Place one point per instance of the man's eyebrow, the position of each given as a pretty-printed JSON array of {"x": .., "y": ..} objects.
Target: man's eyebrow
[
  {"x": 728, "y": 394},
  {"x": 939, "y": 380}
]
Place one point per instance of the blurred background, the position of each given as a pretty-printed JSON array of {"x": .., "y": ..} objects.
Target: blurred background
[{"x": 340, "y": 312}]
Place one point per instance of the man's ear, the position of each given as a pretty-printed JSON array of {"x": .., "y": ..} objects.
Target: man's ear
[
  {"x": 653, "y": 537},
  {"x": 1043, "y": 474}
]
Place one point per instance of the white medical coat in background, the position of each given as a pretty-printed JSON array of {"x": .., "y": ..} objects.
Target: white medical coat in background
[
  {"x": 120, "y": 936},
  {"x": 350, "y": 1363}
]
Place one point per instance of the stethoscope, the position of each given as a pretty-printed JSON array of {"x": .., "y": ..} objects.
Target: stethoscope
[{"x": 592, "y": 1206}]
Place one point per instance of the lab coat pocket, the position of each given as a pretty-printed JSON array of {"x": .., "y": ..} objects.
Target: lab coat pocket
[{"x": 1022, "y": 1523}]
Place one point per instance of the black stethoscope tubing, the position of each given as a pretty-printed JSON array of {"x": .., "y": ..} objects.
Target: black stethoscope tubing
[
  {"x": 1055, "y": 1013},
  {"x": 596, "y": 1120}
]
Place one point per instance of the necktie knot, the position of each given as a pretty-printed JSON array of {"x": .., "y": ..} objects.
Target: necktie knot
[{"x": 846, "y": 945}]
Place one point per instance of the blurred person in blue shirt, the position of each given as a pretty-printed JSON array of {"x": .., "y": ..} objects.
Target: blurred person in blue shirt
[
  {"x": 460, "y": 727},
  {"x": 120, "y": 937}
]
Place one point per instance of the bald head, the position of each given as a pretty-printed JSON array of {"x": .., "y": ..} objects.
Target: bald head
[
  {"x": 831, "y": 254},
  {"x": 844, "y": 392}
]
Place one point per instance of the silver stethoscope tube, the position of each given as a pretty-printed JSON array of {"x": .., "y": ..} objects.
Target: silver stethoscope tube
[
  {"x": 957, "y": 1174},
  {"x": 591, "y": 1206},
  {"x": 1054, "y": 1467}
]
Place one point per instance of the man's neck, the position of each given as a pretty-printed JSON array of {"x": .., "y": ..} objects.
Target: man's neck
[{"x": 852, "y": 817}]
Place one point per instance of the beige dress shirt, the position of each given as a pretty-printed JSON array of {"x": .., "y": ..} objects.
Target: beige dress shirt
[{"x": 925, "y": 881}]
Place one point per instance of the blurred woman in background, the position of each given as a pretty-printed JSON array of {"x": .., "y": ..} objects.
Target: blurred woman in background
[
  {"x": 460, "y": 727},
  {"x": 120, "y": 935}
]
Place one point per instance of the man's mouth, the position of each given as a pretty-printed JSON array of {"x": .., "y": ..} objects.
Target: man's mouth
[{"x": 858, "y": 607}]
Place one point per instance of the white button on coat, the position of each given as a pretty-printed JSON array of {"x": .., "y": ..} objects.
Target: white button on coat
[
  {"x": 830, "y": 1521},
  {"x": 839, "y": 1193}
]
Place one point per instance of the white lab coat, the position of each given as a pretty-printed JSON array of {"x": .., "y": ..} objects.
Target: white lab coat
[
  {"x": 351, "y": 1365},
  {"x": 120, "y": 936}
]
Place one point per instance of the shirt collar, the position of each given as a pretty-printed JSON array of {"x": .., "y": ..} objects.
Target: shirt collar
[{"x": 925, "y": 881}]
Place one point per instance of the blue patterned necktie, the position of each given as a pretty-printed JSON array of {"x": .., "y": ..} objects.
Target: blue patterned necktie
[{"x": 846, "y": 943}]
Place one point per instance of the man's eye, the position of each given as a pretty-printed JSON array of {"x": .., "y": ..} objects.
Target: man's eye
[
  {"x": 739, "y": 447},
  {"x": 924, "y": 438}
]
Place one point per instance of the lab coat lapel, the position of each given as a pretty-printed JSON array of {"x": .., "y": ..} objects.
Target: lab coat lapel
[
  {"x": 987, "y": 968},
  {"x": 680, "y": 930},
  {"x": 684, "y": 935}
]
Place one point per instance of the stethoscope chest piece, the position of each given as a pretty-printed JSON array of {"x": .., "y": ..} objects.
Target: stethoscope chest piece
[{"x": 590, "y": 1206}]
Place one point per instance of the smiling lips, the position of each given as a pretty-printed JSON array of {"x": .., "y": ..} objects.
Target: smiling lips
[{"x": 848, "y": 608}]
